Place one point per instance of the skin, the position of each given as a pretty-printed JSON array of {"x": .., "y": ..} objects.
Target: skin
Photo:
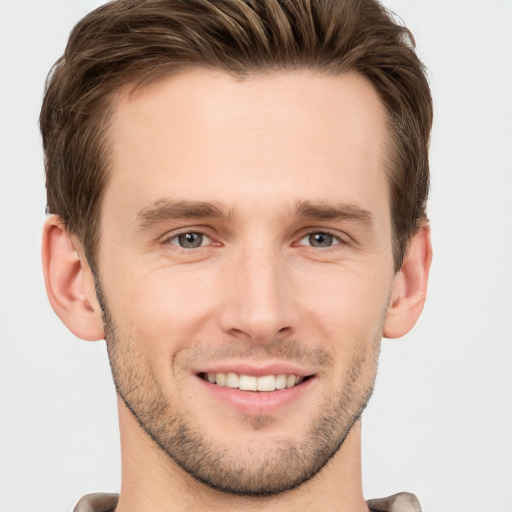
[{"x": 260, "y": 170}]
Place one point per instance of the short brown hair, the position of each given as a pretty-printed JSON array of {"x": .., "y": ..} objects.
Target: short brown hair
[{"x": 138, "y": 41}]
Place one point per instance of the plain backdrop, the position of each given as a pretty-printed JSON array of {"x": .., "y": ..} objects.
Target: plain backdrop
[{"x": 440, "y": 422}]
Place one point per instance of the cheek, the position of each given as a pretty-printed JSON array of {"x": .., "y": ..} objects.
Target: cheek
[
  {"x": 163, "y": 304},
  {"x": 174, "y": 306},
  {"x": 346, "y": 302}
]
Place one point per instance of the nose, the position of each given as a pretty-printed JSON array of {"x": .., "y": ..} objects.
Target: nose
[{"x": 257, "y": 297}]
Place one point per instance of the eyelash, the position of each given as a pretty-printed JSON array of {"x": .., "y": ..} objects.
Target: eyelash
[
  {"x": 169, "y": 240},
  {"x": 338, "y": 240}
]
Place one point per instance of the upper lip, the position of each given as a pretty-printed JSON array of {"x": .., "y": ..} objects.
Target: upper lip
[{"x": 257, "y": 369}]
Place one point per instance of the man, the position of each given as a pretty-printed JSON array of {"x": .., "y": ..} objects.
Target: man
[{"x": 238, "y": 194}]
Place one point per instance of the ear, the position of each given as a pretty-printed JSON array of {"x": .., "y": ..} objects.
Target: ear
[
  {"x": 69, "y": 282},
  {"x": 410, "y": 286}
]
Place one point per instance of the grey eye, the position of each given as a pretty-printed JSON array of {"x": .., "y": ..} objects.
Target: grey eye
[
  {"x": 191, "y": 240},
  {"x": 320, "y": 239}
]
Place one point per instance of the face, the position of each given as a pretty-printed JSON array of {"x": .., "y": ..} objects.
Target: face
[{"x": 246, "y": 269}]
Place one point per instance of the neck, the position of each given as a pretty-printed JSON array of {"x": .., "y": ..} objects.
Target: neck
[{"x": 151, "y": 481}]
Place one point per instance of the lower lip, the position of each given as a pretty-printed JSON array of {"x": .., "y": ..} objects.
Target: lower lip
[{"x": 257, "y": 402}]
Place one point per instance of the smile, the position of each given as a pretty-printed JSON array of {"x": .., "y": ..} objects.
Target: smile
[{"x": 252, "y": 383}]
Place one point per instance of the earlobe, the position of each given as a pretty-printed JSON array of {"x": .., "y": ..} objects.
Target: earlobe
[
  {"x": 70, "y": 283},
  {"x": 410, "y": 286}
]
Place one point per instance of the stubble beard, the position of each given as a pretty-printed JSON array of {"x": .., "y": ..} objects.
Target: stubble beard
[{"x": 247, "y": 472}]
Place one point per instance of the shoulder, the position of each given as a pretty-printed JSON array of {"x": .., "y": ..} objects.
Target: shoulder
[
  {"x": 97, "y": 502},
  {"x": 401, "y": 502}
]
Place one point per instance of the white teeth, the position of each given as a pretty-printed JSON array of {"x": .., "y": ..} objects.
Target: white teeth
[
  {"x": 281, "y": 381},
  {"x": 247, "y": 383},
  {"x": 231, "y": 380},
  {"x": 220, "y": 378},
  {"x": 252, "y": 383},
  {"x": 267, "y": 383}
]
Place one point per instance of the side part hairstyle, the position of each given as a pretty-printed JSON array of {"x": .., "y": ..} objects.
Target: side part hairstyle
[{"x": 130, "y": 43}]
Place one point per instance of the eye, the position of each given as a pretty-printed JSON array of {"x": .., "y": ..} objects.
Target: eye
[
  {"x": 320, "y": 240},
  {"x": 190, "y": 240}
]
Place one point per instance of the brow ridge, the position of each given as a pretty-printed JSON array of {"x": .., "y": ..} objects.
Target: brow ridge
[
  {"x": 327, "y": 210},
  {"x": 167, "y": 209}
]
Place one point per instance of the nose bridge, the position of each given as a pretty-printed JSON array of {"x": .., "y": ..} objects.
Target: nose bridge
[{"x": 258, "y": 303}]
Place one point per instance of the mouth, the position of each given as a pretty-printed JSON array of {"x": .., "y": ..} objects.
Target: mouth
[
  {"x": 257, "y": 390},
  {"x": 262, "y": 383}
]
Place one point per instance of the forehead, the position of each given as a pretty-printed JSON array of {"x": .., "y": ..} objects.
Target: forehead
[{"x": 284, "y": 136}]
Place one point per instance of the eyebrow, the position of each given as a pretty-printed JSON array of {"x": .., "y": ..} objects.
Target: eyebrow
[
  {"x": 167, "y": 209},
  {"x": 326, "y": 210}
]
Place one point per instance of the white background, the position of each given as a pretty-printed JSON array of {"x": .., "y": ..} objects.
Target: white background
[{"x": 440, "y": 422}]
